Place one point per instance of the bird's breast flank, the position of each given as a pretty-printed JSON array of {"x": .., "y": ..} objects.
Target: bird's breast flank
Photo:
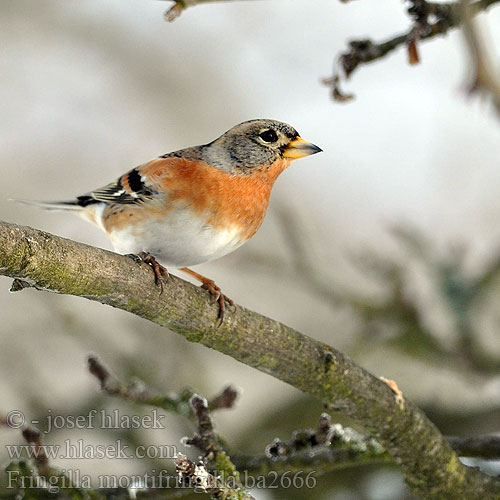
[{"x": 225, "y": 200}]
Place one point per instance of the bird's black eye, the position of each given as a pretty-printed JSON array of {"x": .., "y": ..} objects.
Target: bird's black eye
[{"x": 268, "y": 135}]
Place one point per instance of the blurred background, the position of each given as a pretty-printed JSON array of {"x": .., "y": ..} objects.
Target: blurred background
[{"x": 387, "y": 245}]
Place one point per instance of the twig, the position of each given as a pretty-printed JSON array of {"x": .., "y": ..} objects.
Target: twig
[
  {"x": 353, "y": 451},
  {"x": 329, "y": 447},
  {"x": 190, "y": 405},
  {"x": 208, "y": 443},
  {"x": 206, "y": 440},
  {"x": 34, "y": 438},
  {"x": 302, "y": 439},
  {"x": 138, "y": 392},
  {"x": 430, "y": 466},
  {"x": 225, "y": 400},
  {"x": 429, "y": 20},
  {"x": 219, "y": 461},
  {"x": 332, "y": 447},
  {"x": 52, "y": 478},
  {"x": 180, "y": 5}
]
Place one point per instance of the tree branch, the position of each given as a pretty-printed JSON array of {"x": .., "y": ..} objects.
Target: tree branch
[
  {"x": 430, "y": 466},
  {"x": 179, "y": 5},
  {"x": 355, "y": 450},
  {"x": 430, "y": 20},
  {"x": 137, "y": 392},
  {"x": 40, "y": 467}
]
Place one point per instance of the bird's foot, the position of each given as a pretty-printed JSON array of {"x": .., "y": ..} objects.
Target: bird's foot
[
  {"x": 160, "y": 272},
  {"x": 214, "y": 290},
  {"x": 219, "y": 297}
]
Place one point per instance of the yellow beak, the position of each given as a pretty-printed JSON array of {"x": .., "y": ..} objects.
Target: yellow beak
[{"x": 300, "y": 148}]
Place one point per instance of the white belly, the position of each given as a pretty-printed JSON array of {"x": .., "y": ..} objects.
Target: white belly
[{"x": 179, "y": 240}]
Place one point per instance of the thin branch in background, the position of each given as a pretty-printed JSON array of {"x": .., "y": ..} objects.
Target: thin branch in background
[
  {"x": 34, "y": 439},
  {"x": 349, "y": 448},
  {"x": 332, "y": 446},
  {"x": 318, "y": 461},
  {"x": 187, "y": 404},
  {"x": 137, "y": 392},
  {"x": 36, "y": 479},
  {"x": 486, "y": 77},
  {"x": 180, "y": 5},
  {"x": 207, "y": 441},
  {"x": 340, "y": 440},
  {"x": 328, "y": 447},
  {"x": 429, "y": 20},
  {"x": 44, "y": 477},
  {"x": 225, "y": 400},
  {"x": 304, "y": 439}
]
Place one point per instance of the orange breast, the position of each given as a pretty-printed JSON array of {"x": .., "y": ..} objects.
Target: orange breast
[{"x": 222, "y": 199}]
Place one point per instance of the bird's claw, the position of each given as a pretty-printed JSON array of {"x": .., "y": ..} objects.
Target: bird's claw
[
  {"x": 218, "y": 296},
  {"x": 160, "y": 272}
]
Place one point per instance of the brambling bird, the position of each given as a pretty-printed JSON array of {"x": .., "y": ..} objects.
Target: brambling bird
[{"x": 196, "y": 204}]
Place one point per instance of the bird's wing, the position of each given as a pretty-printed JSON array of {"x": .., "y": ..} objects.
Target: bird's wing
[
  {"x": 141, "y": 184},
  {"x": 132, "y": 187},
  {"x": 148, "y": 182}
]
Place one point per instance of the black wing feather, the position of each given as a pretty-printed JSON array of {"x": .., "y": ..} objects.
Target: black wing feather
[{"x": 115, "y": 192}]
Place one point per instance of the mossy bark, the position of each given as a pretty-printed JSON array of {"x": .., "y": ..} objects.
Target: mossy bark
[{"x": 430, "y": 466}]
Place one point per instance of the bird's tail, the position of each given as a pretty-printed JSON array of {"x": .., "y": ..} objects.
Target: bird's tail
[
  {"x": 73, "y": 205},
  {"x": 85, "y": 207}
]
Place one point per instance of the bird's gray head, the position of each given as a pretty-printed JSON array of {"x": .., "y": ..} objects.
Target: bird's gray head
[{"x": 256, "y": 144}]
